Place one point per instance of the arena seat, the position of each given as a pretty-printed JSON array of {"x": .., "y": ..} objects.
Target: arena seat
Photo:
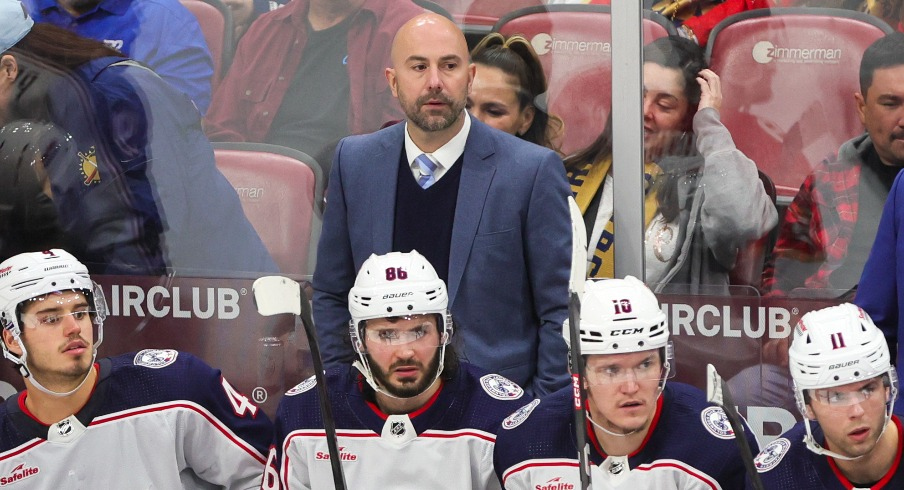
[
  {"x": 281, "y": 190},
  {"x": 574, "y": 46},
  {"x": 789, "y": 76},
  {"x": 476, "y": 17},
  {"x": 215, "y": 20}
]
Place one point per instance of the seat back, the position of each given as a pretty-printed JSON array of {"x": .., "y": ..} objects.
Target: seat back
[
  {"x": 281, "y": 192},
  {"x": 789, "y": 76},
  {"x": 215, "y": 20},
  {"x": 573, "y": 43}
]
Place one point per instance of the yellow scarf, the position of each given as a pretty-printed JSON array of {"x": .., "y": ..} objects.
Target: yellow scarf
[{"x": 585, "y": 183}]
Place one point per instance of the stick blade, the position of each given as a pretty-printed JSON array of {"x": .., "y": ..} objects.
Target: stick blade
[
  {"x": 714, "y": 386},
  {"x": 578, "y": 250},
  {"x": 274, "y": 295}
]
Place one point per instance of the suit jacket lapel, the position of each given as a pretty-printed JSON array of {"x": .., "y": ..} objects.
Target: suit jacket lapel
[
  {"x": 478, "y": 168},
  {"x": 383, "y": 174}
]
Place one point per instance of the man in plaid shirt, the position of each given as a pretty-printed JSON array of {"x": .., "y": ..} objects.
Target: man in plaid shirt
[{"x": 827, "y": 232}]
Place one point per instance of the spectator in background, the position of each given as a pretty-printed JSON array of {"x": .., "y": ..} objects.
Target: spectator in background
[
  {"x": 487, "y": 209},
  {"x": 692, "y": 238},
  {"x": 162, "y": 34},
  {"x": 122, "y": 156},
  {"x": 310, "y": 73},
  {"x": 244, "y": 12},
  {"x": 826, "y": 234},
  {"x": 509, "y": 90}
]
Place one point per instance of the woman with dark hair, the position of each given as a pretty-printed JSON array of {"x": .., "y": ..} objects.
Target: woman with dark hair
[
  {"x": 704, "y": 200},
  {"x": 132, "y": 177},
  {"x": 509, "y": 90}
]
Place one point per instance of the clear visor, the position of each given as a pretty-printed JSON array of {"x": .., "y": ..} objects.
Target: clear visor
[
  {"x": 877, "y": 389},
  {"x": 395, "y": 331},
  {"x": 650, "y": 368},
  {"x": 52, "y": 309}
]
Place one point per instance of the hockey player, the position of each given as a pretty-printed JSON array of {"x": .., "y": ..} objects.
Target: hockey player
[
  {"x": 845, "y": 387},
  {"x": 155, "y": 419},
  {"x": 642, "y": 432},
  {"x": 408, "y": 415}
]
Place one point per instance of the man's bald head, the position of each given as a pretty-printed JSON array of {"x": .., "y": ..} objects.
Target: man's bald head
[
  {"x": 431, "y": 76},
  {"x": 427, "y": 29}
]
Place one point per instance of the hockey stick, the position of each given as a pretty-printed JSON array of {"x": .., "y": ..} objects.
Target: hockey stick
[
  {"x": 575, "y": 291},
  {"x": 274, "y": 295},
  {"x": 717, "y": 392}
]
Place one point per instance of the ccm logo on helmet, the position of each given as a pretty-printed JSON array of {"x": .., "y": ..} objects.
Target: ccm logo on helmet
[
  {"x": 397, "y": 295},
  {"x": 842, "y": 365},
  {"x": 627, "y": 331}
]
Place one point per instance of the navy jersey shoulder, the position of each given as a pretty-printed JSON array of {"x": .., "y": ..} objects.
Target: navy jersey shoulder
[
  {"x": 786, "y": 462},
  {"x": 542, "y": 428},
  {"x": 472, "y": 399}
]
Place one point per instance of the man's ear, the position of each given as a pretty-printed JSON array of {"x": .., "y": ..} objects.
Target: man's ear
[
  {"x": 11, "y": 343},
  {"x": 393, "y": 85},
  {"x": 9, "y": 68}
]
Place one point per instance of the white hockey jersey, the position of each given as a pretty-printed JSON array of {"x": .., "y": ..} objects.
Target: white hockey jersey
[
  {"x": 158, "y": 419},
  {"x": 447, "y": 443},
  {"x": 689, "y": 446}
]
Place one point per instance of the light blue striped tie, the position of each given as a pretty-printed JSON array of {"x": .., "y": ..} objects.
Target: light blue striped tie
[{"x": 426, "y": 166}]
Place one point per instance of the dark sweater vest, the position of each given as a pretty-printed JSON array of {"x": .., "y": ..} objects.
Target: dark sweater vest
[{"x": 424, "y": 217}]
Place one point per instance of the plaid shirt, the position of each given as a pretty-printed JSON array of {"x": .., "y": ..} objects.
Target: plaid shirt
[{"x": 817, "y": 228}]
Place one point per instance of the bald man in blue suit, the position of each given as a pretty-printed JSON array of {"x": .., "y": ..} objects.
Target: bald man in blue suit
[{"x": 488, "y": 210}]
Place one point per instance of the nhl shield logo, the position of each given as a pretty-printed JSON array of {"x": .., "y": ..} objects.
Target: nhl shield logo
[
  {"x": 303, "y": 386},
  {"x": 771, "y": 455},
  {"x": 716, "y": 422},
  {"x": 156, "y": 358},
  {"x": 64, "y": 427},
  {"x": 500, "y": 387},
  {"x": 520, "y": 415},
  {"x": 397, "y": 429}
]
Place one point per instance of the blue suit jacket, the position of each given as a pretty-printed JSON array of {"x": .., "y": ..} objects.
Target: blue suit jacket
[{"x": 510, "y": 253}]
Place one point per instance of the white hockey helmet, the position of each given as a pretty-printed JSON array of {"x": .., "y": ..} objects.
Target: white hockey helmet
[
  {"x": 619, "y": 316},
  {"x": 397, "y": 284},
  {"x": 836, "y": 346},
  {"x": 35, "y": 274}
]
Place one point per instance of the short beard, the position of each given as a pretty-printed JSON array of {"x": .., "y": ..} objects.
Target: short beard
[
  {"x": 430, "y": 123},
  {"x": 406, "y": 389}
]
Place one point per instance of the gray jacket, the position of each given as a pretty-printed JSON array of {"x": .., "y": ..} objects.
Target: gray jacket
[{"x": 723, "y": 208}]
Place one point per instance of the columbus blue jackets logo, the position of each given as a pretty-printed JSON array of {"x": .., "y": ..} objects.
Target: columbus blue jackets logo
[
  {"x": 303, "y": 386},
  {"x": 716, "y": 422},
  {"x": 771, "y": 455},
  {"x": 520, "y": 415},
  {"x": 156, "y": 358},
  {"x": 500, "y": 387},
  {"x": 88, "y": 164}
]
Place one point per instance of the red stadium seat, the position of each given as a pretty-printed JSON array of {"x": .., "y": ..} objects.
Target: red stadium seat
[
  {"x": 788, "y": 76},
  {"x": 215, "y": 20},
  {"x": 473, "y": 13},
  {"x": 574, "y": 46},
  {"x": 281, "y": 190}
]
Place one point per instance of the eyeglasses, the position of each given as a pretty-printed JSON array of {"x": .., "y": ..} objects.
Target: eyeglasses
[
  {"x": 53, "y": 319},
  {"x": 836, "y": 398},
  {"x": 645, "y": 371}
]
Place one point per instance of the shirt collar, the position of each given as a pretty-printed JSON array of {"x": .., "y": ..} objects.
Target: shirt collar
[{"x": 445, "y": 155}]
